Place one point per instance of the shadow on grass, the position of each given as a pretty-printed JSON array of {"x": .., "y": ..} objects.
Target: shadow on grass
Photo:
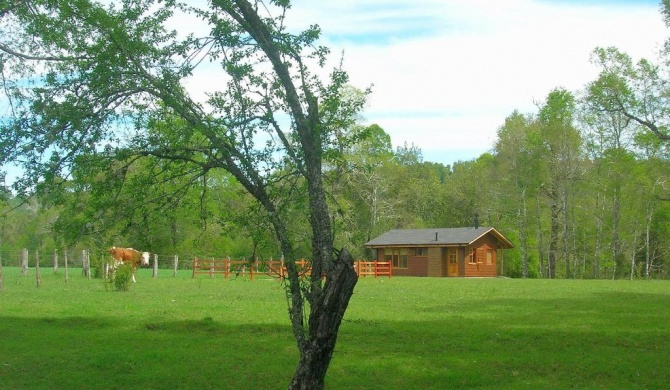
[
  {"x": 606, "y": 340},
  {"x": 603, "y": 340},
  {"x": 102, "y": 353}
]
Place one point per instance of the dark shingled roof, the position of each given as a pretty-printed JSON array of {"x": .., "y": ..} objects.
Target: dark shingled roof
[{"x": 445, "y": 236}]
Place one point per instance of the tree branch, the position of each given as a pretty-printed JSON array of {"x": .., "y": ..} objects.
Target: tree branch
[{"x": 14, "y": 53}]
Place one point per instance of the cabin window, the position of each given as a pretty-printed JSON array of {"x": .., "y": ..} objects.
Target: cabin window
[
  {"x": 398, "y": 257},
  {"x": 420, "y": 251},
  {"x": 489, "y": 257},
  {"x": 452, "y": 256},
  {"x": 473, "y": 256}
]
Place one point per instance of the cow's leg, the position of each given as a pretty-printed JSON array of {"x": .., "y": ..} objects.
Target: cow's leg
[{"x": 133, "y": 277}]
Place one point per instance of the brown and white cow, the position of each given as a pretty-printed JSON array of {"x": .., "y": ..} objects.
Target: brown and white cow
[{"x": 129, "y": 256}]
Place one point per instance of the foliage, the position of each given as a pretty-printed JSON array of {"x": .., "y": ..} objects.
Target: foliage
[
  {"x": 121, "y": 277},
  {"x": 102, "y": 70}
]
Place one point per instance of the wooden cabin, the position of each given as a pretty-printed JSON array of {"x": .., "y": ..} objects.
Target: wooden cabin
[{"x": 444, "y": 252}]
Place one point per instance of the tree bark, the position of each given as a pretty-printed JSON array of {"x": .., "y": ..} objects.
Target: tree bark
[
  {"x": 522, "y": 218},
  {"x": 24, "y": 262},
  {"x": 38, "y": 279},
  {"x": 324, "y": 323},
  {"x": 647, "y": 245},
  {"x": 554, "y": 238},
  {"x": 540, "y": 240},
  {"x": 0, "y": 271}
]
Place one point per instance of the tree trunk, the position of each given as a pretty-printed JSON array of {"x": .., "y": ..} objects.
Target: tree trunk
[
  {"x": 633, "y": 252},
  {"x": 0, "y": 271},
  {"x": 647, "y": 240},
  {"x": 540, "y": 240},
  {"x": 554, "y": 238},
  {"x": 24, "y": 262},
  {"x": 522, "y": 218},
  {"x": 617, "y": 253},
  {"x": 569, "y": 252},
  {"x": 324, "y": 322},
  {"x": 598, "y": 244}
]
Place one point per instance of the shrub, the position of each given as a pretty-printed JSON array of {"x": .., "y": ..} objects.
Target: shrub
[{"x": 122, "y": 277}]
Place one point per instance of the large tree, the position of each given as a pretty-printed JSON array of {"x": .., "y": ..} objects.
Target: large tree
[
  {"x": 628, "y": 91},
  {"x": 561, "y": 142},
  {"x": 518, "y": 156},
  {"x": 85, "y": 81}
]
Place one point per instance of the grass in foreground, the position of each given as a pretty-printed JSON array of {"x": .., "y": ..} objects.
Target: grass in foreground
[{"x": 402, "y": 333}]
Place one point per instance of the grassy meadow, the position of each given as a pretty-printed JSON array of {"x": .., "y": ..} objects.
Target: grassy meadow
[{"x": 400, "y": 333}]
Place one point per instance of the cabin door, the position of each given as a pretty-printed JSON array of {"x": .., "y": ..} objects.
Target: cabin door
[{"x": 452, "y": 262}]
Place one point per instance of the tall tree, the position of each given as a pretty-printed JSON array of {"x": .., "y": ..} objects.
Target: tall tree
[
  {"x": 81, "y": 74},
  {"x": 562, "y": 147},
  {"x": 627, "y": 109},
  {"x": 637, "y": 92},
  {"x": 518, "y": 162},
  {"x": 609, "y": 134}
]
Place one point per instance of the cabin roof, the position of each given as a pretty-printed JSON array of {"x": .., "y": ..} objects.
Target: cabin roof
[{"x": 445, "y": 237}]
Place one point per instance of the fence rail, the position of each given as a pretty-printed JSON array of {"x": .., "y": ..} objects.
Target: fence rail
[
  {"x": 200, "y": 266},
  {"x": 277, "y": 268},
  {"x": 373, "y": 268},
  {"x": 227, "y": 267}
]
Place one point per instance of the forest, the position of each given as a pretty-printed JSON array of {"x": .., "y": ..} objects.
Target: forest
[{"x": 579, "y": 185}]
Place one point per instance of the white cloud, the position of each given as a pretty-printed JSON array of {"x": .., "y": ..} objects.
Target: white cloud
[{"x": 448, "y": 83}]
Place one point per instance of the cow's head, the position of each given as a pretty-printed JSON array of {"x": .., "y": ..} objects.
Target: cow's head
[{"x": 145, "y": 258}]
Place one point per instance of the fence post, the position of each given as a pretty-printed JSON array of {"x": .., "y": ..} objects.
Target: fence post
[
  {"x": 55, "y": 260},
  {"x": 67, "y": 275},
  {"x": 37, "y": 268},
  {"x": 155, "y": 273},
  {"x": 85, "y": 264},
  {"x": 175, "y": 265},
  {"x": 24, "y": 262},
  {"x": 281, "y": 267},
  {"x": 195, "y": 265}
]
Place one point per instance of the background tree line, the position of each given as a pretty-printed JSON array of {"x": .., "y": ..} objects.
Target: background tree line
[
  {"x": 579, "y": 189},
  {"x": 579, "y": 186}
]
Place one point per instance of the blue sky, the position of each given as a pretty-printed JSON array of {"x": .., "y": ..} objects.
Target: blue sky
[{"x": 446, "y": 73}]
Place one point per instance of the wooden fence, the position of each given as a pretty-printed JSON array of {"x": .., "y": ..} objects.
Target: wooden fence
[
  {"x": 277, "y": 268},
  {"x": 373, "y": 268},
  {"x": 211, "y": 267},
  {"x": 228, "y": 267}
]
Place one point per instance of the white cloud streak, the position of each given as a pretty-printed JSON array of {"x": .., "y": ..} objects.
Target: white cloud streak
[{"x": 447, "y": 73}]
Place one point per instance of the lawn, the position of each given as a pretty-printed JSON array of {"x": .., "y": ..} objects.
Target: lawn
[{"x": 400, "y": 333}]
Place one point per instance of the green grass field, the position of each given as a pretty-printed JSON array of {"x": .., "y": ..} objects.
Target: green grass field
[{"x": 400, "y": 333}]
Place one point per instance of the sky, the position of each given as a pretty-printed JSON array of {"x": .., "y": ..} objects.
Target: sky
[{"x": 446, "y": 73}]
